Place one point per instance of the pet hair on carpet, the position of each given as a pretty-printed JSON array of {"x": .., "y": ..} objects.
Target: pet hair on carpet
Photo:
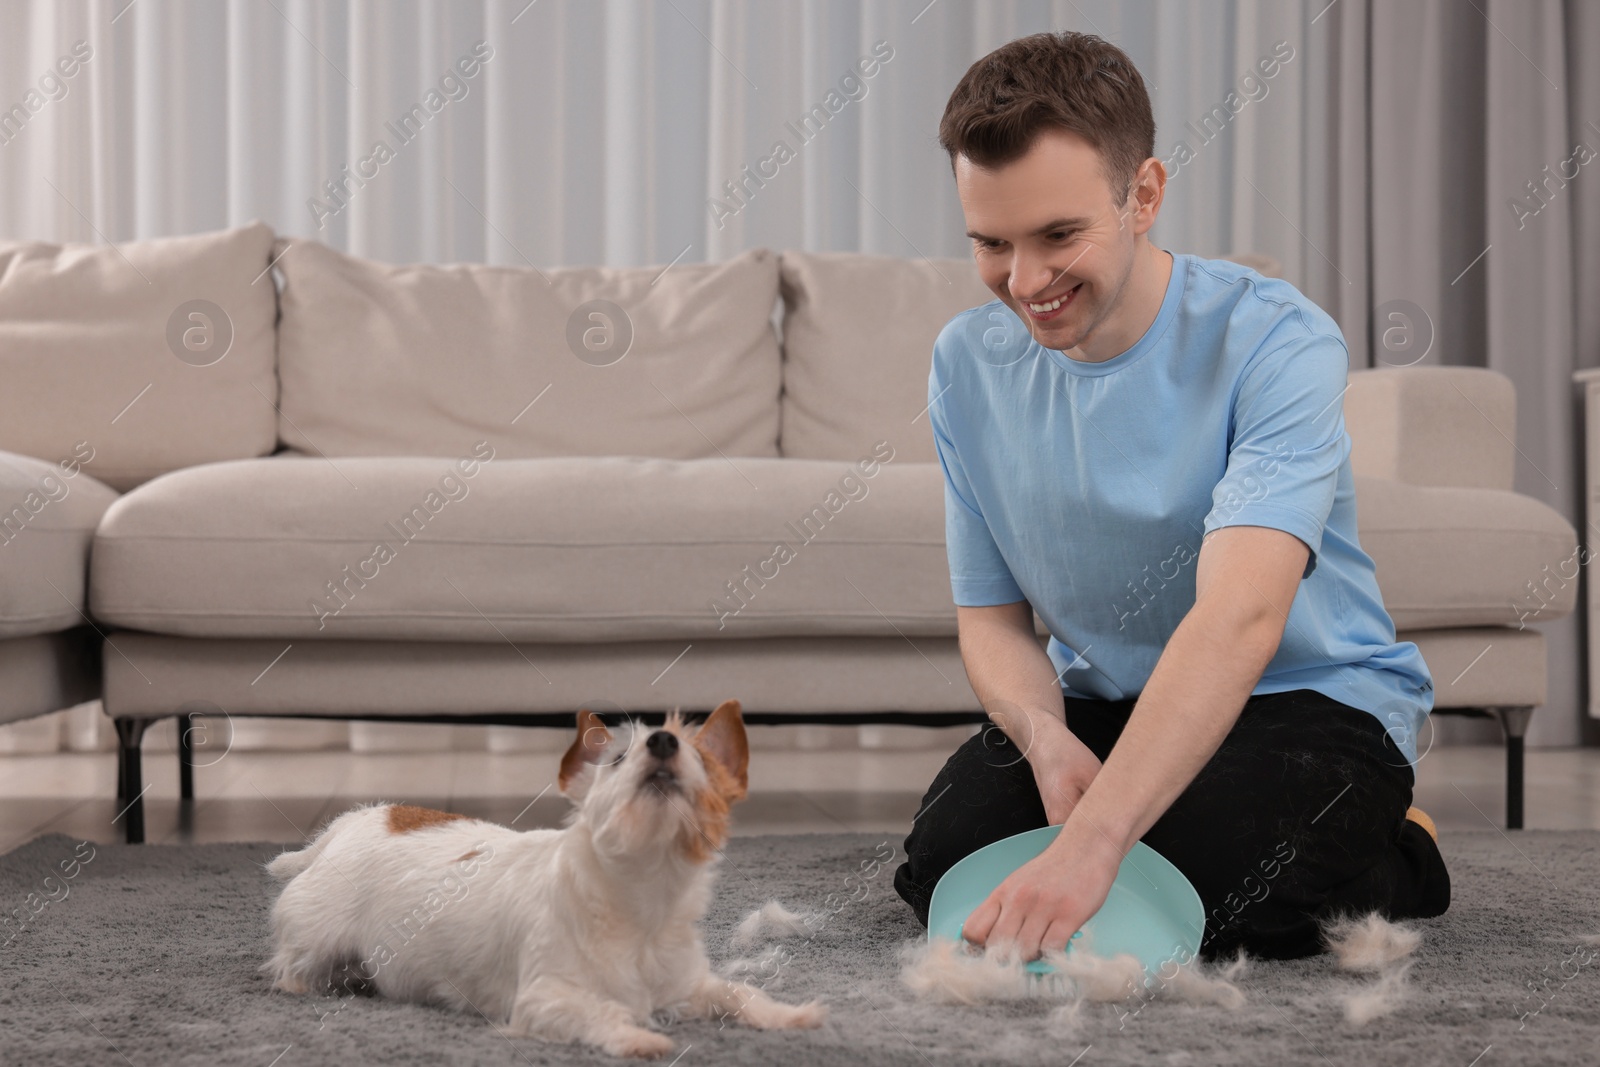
[
  {"x": 772, "y": 919},
  {"x": 1377, "y": 998},
  {"x": 1095, "y": 978},
  {"x": 768, "y": 963},
  {"x": 942, "y": 970},
  {"x": 1371, "y": 944},
  {"x": 1196, "y": 986}
]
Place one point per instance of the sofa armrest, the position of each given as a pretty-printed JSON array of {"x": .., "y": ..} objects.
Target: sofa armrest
[{"x": 1446, "y": 426}]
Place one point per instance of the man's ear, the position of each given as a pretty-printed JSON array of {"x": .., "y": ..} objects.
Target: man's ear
[
  {"x": 588, "y": 748},
  {"x": 722, "y": 738}
]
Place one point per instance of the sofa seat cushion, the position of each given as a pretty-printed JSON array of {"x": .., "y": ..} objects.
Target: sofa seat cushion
[
  {"x": 1448, "y": 556},
  {"x": 563, "y": 549},
  {"x": 483, "y": 548},
  {"x": 48, "y": 515}
]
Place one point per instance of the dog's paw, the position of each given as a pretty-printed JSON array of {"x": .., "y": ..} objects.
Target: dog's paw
[
  {"x": 289, "y": 983},
  {"x": 776, "y": 1016},
  {"x": 638, "y": 1042},
  {"x": 807, "y": 1016}
]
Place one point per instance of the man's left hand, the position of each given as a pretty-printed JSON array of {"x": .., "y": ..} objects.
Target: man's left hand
[{"x": 1045, "y": 901}]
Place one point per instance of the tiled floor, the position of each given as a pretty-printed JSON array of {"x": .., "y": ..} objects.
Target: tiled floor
[{"x": 284, "y": 796}]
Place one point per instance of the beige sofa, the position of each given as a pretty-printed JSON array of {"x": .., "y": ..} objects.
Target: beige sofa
[{"x": 488, "y": 494}]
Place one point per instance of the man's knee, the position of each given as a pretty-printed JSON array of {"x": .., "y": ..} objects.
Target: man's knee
[
  {"x": 1263, "y": 833},
  {"x": 984, "y": 792},
  {"x": 913, "y": 891}
]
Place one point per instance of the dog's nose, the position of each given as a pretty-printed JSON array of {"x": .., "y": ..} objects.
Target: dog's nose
[{"x": 662, "y": 745}]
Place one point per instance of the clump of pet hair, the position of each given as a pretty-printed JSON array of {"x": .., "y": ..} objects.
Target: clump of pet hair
[
  {"x": 954, "y": 973},
  {"x": 1377, "y": 998},
  {"x": 1371, "y": 944},
  {"x": 772, "y": 919}
]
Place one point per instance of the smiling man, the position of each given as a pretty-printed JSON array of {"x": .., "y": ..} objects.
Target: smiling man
[{"x": 1148, "y": 450}]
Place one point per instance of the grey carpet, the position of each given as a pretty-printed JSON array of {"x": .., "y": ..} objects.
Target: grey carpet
[{"x": 150, "y": 959}]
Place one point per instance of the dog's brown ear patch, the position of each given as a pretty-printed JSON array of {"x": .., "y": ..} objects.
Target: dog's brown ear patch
[
  {"x": 588, "y": 747},
  {"x": 403, "y": 818},
  {"x": 722, "y": 740}
]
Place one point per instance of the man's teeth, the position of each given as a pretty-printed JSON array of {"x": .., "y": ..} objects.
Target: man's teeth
[{"x": 1043, "y": 308}]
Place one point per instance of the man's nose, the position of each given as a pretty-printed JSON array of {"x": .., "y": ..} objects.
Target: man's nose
[{"x": 1033, "y": 278}]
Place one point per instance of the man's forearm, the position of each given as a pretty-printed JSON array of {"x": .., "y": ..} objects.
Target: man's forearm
[
  {"x": 1015, "y": 682},
  {"x": 1188, "y": 705}
]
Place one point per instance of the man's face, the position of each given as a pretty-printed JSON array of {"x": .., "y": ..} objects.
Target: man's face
[{"x": 1046, "y": 227}]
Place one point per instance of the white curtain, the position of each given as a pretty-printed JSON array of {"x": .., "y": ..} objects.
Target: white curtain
[
  {"x": 600, "y": 131},
  {"x": 1373, "y": 163}
]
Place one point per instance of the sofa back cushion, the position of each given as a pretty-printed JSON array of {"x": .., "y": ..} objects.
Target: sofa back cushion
[
  {"x": 380, "y": 359},
  {"x": 1433, "y": 425},
  {"x": 153, "y": 355},
  {"x": 858, "y": 335}
]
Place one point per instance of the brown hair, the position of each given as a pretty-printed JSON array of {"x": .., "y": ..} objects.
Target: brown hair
[{"x": 1070, "y": 81}]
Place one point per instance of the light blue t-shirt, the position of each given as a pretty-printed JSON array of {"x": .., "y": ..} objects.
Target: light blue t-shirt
[{"x": 1085, "y": 488}]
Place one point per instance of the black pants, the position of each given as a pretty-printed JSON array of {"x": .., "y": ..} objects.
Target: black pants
[{"x": 1297, "y": 818}]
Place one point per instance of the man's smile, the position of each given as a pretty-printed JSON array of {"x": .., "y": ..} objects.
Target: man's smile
[{"x": 1043, "y": 311}]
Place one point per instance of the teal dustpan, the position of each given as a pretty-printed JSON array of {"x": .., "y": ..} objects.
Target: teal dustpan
[{"x": 1152, "y": 912}]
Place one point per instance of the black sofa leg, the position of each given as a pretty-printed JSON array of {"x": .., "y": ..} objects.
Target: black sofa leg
[
  {"x": 130, "y": 735},
  {"x": 185, "y": 757},
  {"x": 1514, "y": 723}
]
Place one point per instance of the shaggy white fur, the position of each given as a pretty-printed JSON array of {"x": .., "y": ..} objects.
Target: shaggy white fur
[
  {"x": 943, "y": 970},
  {"x": 954, "y": 973},
  {"x": 772, "y": 919},
  {"x": 1098, "y": 978},
  {"x": 1377, "y": 998},
  {"x": 765, "y": 966},
  {"x": 1370, "y": 942},
  {"x": 1192, "y": 984}
]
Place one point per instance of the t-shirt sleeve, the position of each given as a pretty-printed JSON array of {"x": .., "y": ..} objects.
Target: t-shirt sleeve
[
  {"x": 979, "y": 576},
  {"x": 1289, "y": 442}
]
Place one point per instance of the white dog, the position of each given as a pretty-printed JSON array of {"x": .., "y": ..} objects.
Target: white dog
[{"x": 578, "y": 934}]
